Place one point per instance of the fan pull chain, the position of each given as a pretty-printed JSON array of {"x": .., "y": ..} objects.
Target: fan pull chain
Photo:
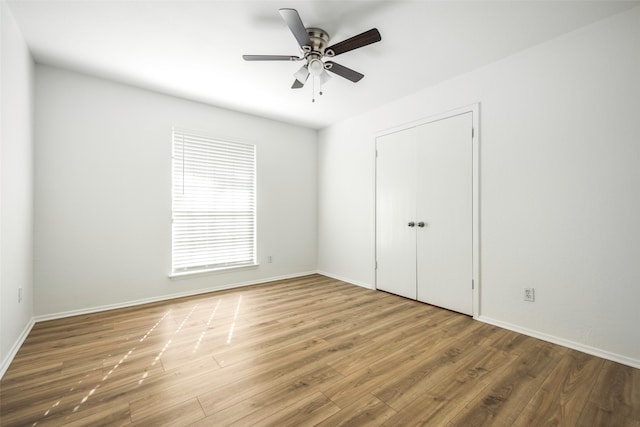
[{"x": 313, "y": 88}]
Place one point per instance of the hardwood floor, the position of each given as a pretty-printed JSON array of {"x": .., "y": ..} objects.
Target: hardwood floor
[{"x": 306, "y": 351}]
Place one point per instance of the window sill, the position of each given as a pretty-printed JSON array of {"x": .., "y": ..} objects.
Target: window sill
[{"x": 189, "y": 274}]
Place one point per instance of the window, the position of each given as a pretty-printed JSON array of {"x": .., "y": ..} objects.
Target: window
[{"x": 213, "y": 203}]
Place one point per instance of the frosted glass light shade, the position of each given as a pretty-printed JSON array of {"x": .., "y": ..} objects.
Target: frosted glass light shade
[
  {"x": 302, "y": 74},
  {"x": 316, "y": 67},
  {"x": 324, "y": 77}
]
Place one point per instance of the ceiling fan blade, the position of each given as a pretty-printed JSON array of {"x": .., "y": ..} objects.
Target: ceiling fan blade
[
  {"x": 297, "y": 84},
  {"x": 355, "y": 42},
  {"x": 343, "y": 71},
  {"x": 270, "y": 58},
  {"x": 296, "y": 26}
]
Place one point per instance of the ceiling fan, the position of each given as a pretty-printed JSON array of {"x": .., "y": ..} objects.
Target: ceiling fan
[{"x": 314, "y": 43}]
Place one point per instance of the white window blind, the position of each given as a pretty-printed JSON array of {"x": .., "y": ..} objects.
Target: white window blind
[{"x": 213, "y": 203}]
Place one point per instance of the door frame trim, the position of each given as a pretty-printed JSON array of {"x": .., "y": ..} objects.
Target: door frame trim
[{"x": 474, "y": 109}]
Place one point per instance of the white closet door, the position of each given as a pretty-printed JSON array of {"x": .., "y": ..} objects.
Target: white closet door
[
  {"x": 395, "y": 209},
  {"x": 444, "y": 204}
]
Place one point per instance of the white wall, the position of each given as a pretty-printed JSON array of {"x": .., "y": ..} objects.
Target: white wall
[
  {"x": 559, "y": 186},
  {"x": 103, "y": 193},
  {"x": 16, "y": 188}
]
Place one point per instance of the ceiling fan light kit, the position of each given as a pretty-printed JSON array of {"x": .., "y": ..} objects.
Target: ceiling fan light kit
[{"x": 314, "y": 48}]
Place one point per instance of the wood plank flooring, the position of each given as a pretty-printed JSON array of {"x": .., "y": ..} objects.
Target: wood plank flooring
[{"x": 303, "y": 352}]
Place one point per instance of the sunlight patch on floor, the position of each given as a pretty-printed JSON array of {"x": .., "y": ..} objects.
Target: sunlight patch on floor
[{"x": 233, "y": 324}]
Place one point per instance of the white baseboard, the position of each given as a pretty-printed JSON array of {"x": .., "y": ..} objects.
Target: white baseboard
[
  {"x": 16, "y": 346},
  {"x": 133, "y": 303},
  {"x": 345, "y": 279},
  {"x": 634, "y": 363}
]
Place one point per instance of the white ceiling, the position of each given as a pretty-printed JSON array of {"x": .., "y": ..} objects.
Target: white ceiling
[{"x": 193, "y": 49}]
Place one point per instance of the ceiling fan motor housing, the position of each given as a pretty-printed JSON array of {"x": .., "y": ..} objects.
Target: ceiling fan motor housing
[{"x": 319, "y": 40}]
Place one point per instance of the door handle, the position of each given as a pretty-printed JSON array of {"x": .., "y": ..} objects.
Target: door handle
[
  {"x": 421, "y": 224},
  {"x": 412, "y": 224}
]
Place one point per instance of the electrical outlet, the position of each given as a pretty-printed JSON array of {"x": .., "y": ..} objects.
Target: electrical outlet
[
  {"x": 269, "y": 259},
  {"x": 529, "y": 294},
  {"x": 19, "y": 295}
]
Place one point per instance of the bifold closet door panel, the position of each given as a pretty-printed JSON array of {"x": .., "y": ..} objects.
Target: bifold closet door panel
[
  {"x": 395, "y": 209},
  {"x": 444, "y": 204}
]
